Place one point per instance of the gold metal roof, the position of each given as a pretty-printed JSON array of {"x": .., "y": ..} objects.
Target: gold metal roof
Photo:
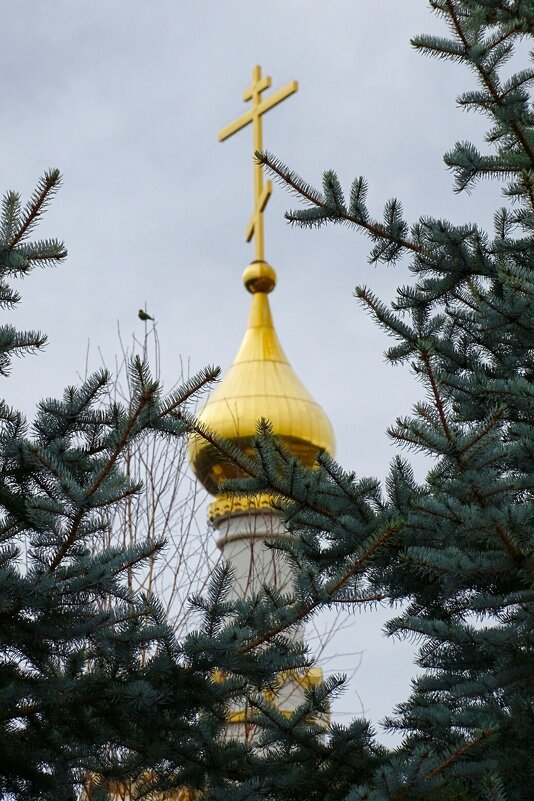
[{"x": 260, "y": 383}]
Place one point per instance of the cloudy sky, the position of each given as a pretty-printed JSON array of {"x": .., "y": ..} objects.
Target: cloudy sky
[{"x": 126, "y": 98}]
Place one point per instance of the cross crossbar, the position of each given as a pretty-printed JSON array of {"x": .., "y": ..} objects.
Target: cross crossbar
[{"x": 260, "y": 106}]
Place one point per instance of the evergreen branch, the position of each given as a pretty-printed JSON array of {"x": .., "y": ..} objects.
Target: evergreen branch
[
  {"x": 342, "y": 480},
  {"x": 143, "y": 552},
  {"x": 121, "y": 444},
  {"x": 495, "y": 418},
  {"x": 529, "y": 186},
  {"x": 48, "y": 251},
  {"x": 508, "y": 544},
  {"x": 425, "y": 357},
  {"x": 288, "y": 177},
  {"x": 377, "y": 597},
  {"x": 16, "y": 343},
  {"x": 248, "y": 467},
  {"x": 27, "y": 710},
  {"x": 460, "y": 753},
  {"x": 48, "y": 184},
  {"x": 110, "y": 463},
  {"x": 219, "y": 443},
  {"x": 329, "y": 593},
  {"x": 49, "y": 465},
  {"x": 486, "y": 79},
  {"x": 384, "y": 317},
  {"x": 9, "y": 298},
  {"x": 190, "y": 389},
  {"x": 10, "y": 214}
]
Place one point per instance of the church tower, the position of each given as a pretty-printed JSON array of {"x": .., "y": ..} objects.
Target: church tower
[{"x": 260, "y": 384}]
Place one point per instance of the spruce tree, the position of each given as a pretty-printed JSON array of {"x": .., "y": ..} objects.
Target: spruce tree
[
  {"x": 83, "y": 661},
  {"x": 457, "y": 548}
]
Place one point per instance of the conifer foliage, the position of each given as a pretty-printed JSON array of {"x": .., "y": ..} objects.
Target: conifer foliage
[
  {"x": 75, "y": 695},
  {"x": 458, "y": 548}
]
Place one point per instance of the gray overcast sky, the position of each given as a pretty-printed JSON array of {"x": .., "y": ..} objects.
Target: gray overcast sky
[{"x": 126, "y": 98}]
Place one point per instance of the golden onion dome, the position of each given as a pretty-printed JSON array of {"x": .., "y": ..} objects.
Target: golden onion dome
[{"x": 260, "y": 384}]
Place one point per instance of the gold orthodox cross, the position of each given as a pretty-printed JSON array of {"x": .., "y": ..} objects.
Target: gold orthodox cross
[{"x": 254, "y": 115}]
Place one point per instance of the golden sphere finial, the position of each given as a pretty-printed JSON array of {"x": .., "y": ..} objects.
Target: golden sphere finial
[{"x": 259, "y": 277}]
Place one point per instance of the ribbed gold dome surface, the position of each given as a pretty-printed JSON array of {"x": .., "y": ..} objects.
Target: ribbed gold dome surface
[{"x": 260, "y": 383}]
